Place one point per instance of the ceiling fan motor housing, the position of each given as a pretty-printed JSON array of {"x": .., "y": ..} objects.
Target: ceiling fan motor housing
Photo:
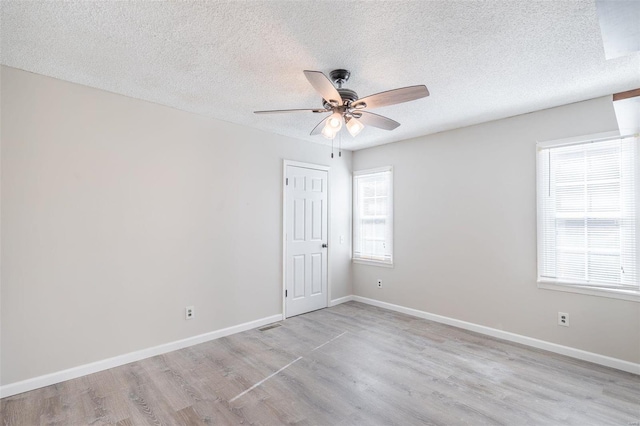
[{"x": 347, "y": 95}]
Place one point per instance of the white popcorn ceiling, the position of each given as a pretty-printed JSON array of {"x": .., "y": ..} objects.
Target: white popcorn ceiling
[{"x": 480, "y": 60}]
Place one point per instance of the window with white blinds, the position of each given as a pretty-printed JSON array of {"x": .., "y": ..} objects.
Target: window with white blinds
[
  {"x": 372, "y": 216},
  {"x": 587, "y": 213}
]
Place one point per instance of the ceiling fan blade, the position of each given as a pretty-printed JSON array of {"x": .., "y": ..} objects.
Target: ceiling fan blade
[
  {"x": 392, "y": 97},
  {"x": 278, "y": 111},
  {"x": 318, "y": 129},
  {"x": 323, "y": 85},
  {"x": 375, "y": 120}
]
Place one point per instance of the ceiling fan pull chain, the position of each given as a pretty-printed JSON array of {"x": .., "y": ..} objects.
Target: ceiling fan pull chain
[
  {"x": 331, "y": 148},
  {"x": 340, "y": 144}
]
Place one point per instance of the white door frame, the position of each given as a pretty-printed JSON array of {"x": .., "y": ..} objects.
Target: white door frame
[{"x": 327, "y": 169}]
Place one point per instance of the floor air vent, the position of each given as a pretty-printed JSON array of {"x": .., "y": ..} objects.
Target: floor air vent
[{"x": 269, "y": 327}]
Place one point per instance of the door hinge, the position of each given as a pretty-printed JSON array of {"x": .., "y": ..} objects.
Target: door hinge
[
  {"x": 287, "y": 179},
  {"x": 286, "y": 292}
]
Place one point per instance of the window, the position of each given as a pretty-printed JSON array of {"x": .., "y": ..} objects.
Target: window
[
  {"x": 587, "y": 230},
  {"x": 372, "y": 216}
]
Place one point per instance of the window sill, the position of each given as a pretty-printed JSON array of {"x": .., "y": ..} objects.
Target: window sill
[
  {"x": 630, "y": 295},
  {"x": 372, "y": 263}
]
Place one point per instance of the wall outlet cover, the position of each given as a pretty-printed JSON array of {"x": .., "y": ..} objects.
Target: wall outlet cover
[
  {"x": 563, "y": 319},
  {"x": 189, "y": 312}
]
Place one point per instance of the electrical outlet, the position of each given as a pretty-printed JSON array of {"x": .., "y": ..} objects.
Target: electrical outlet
[
  {"x": 341, "y": 239},
  {"x": 379, "y": 283},
  {"x": 563, "y": 319},
  {"x": 189, "y": 312}
]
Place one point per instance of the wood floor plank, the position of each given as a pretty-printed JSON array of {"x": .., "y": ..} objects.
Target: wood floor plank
[
  {"x": 217, "y": 412},
  {"x": 189, "y": 417},
  {"x": 354, "y": 365},
  {"x": 149, "y": 403},
  {"x": 20, "y": 411}
]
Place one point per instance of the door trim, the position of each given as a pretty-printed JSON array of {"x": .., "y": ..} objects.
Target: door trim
[{"x": 327, "y": 169}]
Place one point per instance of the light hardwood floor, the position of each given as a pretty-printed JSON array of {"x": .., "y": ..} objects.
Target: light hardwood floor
[{"x": 350, "y": 364}]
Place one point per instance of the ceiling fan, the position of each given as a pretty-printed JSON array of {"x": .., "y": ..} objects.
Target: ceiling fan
[{"x": 345, "y": 106}]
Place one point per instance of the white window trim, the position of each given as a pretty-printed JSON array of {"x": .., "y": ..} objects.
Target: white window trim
[
  {"x": 612, "y": 293},
  {"x": 571, "y": 287},
  {"x": 372, "y": 262}
]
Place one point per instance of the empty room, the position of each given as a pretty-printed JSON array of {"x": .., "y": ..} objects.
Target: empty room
[{"x": 320, "y": 212}]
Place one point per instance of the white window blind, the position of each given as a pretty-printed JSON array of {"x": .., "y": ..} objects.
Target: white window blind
[
  {"x": 373, "y": 221},
  {"x": 587, "y": 213}
]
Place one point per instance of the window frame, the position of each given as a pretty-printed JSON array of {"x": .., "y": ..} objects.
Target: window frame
[
  {"x": 356, "y": 217},
  {"x": 570, "y": 286}
]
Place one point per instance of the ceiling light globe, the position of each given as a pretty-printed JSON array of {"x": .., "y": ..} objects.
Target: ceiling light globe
[
  {"x": 328, "y": 132},
  {"x": 354, "y": 126},
  {"x": 335, "y": 121}
]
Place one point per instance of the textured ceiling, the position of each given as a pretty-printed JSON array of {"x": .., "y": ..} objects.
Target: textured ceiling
[{"x": 480, "y": 60}]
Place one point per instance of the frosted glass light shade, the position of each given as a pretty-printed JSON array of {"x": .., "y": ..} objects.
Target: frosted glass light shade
[
  {"x": 328, "y": 132},
  {"x": 335, "y": 121},
  {"x": 354, "y": 126}
]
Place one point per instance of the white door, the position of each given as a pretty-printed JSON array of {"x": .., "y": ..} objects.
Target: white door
[{"x": 306, "y": 240}]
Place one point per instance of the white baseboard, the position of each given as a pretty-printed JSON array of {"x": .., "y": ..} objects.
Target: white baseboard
[
  {"x": 512, "y": 337},
  {"x": 105, "y": 364},
  {"x": 340, "y": 300}
]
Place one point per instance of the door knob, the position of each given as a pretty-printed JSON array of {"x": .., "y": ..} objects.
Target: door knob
[{"x": 324, "y": 246}]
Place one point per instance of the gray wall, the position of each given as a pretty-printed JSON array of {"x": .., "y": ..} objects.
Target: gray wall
[
  {"x": 465, "y": 232},
  {"x": 118, "y": 213}
]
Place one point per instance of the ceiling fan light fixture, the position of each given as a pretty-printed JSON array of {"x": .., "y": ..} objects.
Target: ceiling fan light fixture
[
  {"x": 347, "y": 108},
  {"x": 354, "y": 126},
  {"x": 328, "y": 131},
  {"x": 335, "y": 121}
]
